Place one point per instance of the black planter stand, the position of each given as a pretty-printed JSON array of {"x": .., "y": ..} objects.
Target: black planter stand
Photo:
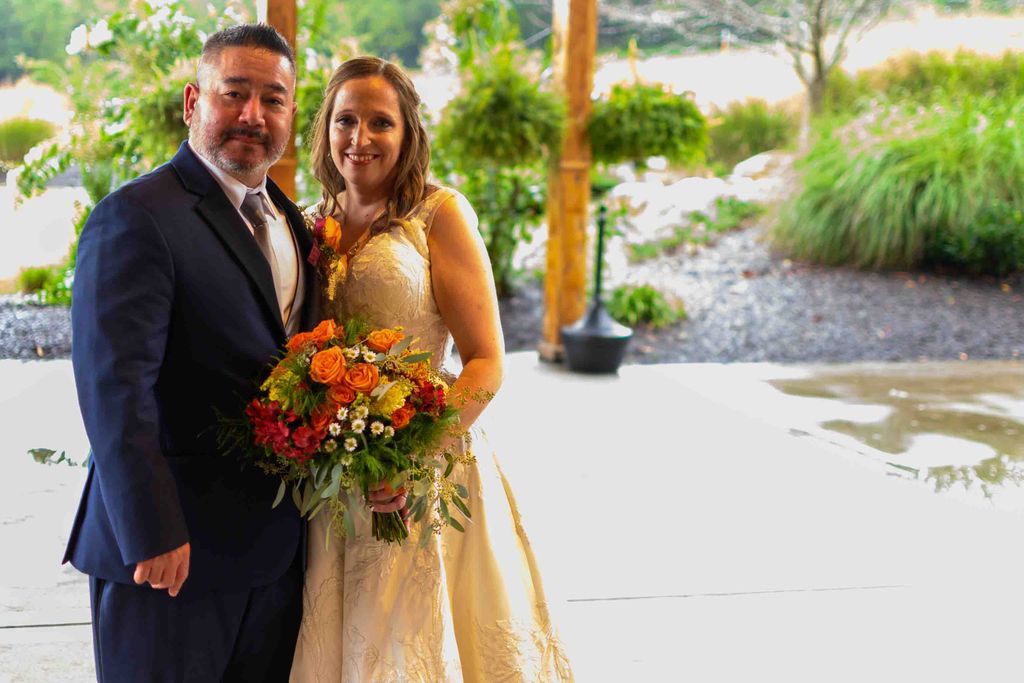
[{"x": 596, "y": 343}]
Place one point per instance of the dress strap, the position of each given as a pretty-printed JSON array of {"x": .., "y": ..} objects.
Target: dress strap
[{"x": 430, "y": 205}]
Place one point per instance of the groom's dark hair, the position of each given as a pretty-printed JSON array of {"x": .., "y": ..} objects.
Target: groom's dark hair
[{"x": 261, "y": 36}]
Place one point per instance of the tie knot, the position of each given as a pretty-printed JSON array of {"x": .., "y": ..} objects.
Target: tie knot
[{"x": 252, "y": 208}]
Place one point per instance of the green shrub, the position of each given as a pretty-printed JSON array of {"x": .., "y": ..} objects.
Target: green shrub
[
  {"x": 927, "y": 78},
  {"x": 18, "y": 136},
  {"x": 638, "y": 121},
  {"x": 34, "y": 279},
  {"x": 992, "y": 245},
  {"x": 905, "y": 188},
  {"x": 643, "y": 304},
  {"x": 748, "y": 128}
]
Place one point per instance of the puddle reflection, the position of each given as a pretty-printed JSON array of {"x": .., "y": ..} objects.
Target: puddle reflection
[{"x": 951, "y": 425}]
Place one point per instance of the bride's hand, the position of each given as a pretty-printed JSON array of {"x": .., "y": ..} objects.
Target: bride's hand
[{"x": 383, "y": 498}]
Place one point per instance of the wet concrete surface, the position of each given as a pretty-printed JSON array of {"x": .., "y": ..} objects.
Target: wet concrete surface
[{"x": 692, "y": 522}]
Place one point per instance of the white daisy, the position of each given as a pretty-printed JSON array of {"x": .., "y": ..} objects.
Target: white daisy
[
  {"x": 330, "y": 445},
  {"x": 389, "y": 431},
  {"x": 346, "y": 460},
  {"x": 334, "y": 429},
  {"x": 376, "y": 428},
  {"x": 361, "y": 412},
  {"x": 350, "y": 445},
  {"x": 369, "y": 356},
  {"x": 351, "y": 353},
  {"x": 358, "y": 425},
  {"x": 342, "y": 414}
]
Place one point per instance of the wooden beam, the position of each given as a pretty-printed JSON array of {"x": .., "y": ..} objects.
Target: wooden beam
[
  {"x": 574, "y": 27},
  {"x": 282, "y": 15}
]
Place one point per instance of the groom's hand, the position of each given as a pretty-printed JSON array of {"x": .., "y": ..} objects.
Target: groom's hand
[{"x": 165, "y": 571}]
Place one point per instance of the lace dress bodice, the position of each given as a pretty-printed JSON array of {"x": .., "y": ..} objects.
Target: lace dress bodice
[{"x": 389, "y": 282}]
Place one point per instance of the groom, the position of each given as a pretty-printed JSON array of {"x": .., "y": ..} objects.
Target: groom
[{"x": 188, "y": 280}]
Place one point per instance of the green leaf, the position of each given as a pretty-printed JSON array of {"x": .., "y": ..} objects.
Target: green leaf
[
  {"x": 280, "y": 494},
  {"x": 400, "y": 346},
  {"x": 350, "y": 524},
  {"x": 382, "y": 389},
  {"x": 445, "y": 514},
  {"x": 417, "y": 357},
  {"x": 297, "y": 496},
  {"x": 462, "y": 491},
  {"x": 456, "y": 524},
  {"x": 462, "y": 506}
]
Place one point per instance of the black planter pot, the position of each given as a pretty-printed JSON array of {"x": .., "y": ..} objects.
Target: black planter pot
[{"x": 596, "y": 343}]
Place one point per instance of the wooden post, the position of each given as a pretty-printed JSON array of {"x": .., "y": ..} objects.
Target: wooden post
[
  {"x": 282, "y": 15},
  {"x": 574, "y": 27}
]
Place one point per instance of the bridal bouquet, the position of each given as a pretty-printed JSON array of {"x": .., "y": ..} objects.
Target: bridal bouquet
[{"x": 346, "y": 408}]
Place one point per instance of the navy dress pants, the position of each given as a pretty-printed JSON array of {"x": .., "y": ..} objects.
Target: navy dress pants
[{"x": 235, "y": 635}]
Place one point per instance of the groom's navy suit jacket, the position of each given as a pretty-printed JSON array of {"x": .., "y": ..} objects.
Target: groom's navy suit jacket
[{"x": 175, "y": 319}]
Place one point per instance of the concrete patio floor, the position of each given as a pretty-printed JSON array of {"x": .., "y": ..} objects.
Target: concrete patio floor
[{"x": 694, "y": 522}]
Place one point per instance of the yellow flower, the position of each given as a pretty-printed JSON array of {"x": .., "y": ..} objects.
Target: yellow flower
[{"x": 393, "y": 398}]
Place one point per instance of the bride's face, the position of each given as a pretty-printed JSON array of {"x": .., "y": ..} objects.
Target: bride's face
[{"x": 366, "y": 132}]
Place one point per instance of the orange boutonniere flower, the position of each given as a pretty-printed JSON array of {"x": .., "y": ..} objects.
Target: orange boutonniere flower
[
  {"x": 328, "y": 366},
  {"x": 362, "y": 377},
  {"x": 332, "y": 233}
]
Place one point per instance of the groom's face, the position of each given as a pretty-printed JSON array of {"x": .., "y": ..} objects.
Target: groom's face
[{"x": 240, "y": 113}]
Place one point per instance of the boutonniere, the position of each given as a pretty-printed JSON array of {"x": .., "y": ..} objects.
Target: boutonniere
[{"x": 325, "y": 255}]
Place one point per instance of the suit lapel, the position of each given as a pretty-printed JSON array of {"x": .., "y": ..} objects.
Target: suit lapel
[{"x": 223, "y": 218}]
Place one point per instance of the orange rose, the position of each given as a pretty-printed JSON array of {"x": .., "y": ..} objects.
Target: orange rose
[
  {"x": 383, "y": 340},
  {"x": 401, "y": 417},
  {"x": 323, "y": 332},
  {"x": 362, "y": 377},
  {"x": 299, "y": 340},
  {"x": 332, "y": 233},
  {"x": 342, "y": 394},
  {"x": 328, "y": 366}
]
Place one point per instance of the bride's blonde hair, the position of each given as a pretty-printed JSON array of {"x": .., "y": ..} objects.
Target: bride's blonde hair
[{"x": 413, "y": 159}]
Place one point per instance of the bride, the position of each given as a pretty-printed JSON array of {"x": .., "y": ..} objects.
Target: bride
[{"x": 467, "y": 606}]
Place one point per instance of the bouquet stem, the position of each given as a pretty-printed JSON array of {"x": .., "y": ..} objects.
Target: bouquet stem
[{"x": 388, "y": 526}]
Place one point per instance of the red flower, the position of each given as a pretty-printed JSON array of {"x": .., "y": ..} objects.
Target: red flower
[{"x": 306, "y": 439}]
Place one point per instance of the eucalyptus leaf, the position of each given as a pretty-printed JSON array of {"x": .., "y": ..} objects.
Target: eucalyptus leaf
[
  {"x": 382, "y": 389},
  {"x": 400, "y": 346},
  {"x": 455, "y": 524},
  {"x": 445, "y": 514},
  {"x": 462, "y": 491},
  {"x": 297, "y": 495},
  {"x": 280, "y": 494},
  {"x": 462, "y": 506},
  {"x": 417, "y": 357}
]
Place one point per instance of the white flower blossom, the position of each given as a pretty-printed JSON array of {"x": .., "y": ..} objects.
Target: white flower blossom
[
  {"x": 330, "y": 446},
  {"x": 361, "y": 412},
  {"x": 78, "y": 41},
  {"x": 342, "y": 414},
  {"x": 334, "y": 429},
  {"x": 358, "y": 425},
  {"x": 346, "y": 460},
  {"x": 351, "y": 354},
  {"x": 376, "y": 428},
  {"x": 369, "y": 356},
  {"x": 350, "y": 445},
  {"x": 389, "y": 431},
  {"x": 100, "y": 34}
]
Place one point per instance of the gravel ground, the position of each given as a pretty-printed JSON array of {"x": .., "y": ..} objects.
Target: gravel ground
[{"x": 745, "y": 304}]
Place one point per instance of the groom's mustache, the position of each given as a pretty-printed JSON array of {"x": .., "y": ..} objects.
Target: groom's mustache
[{"x": 250, "y": 133}]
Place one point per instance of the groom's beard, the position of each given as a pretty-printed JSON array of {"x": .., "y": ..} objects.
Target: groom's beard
[{"x": 212, "y": 147}]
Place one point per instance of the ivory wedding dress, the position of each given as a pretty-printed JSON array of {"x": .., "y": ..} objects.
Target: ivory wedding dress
[{"x": 467, "y": 607}]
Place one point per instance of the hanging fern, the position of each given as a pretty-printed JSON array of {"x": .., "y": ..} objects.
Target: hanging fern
[{"x": 638, "y": 120}]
